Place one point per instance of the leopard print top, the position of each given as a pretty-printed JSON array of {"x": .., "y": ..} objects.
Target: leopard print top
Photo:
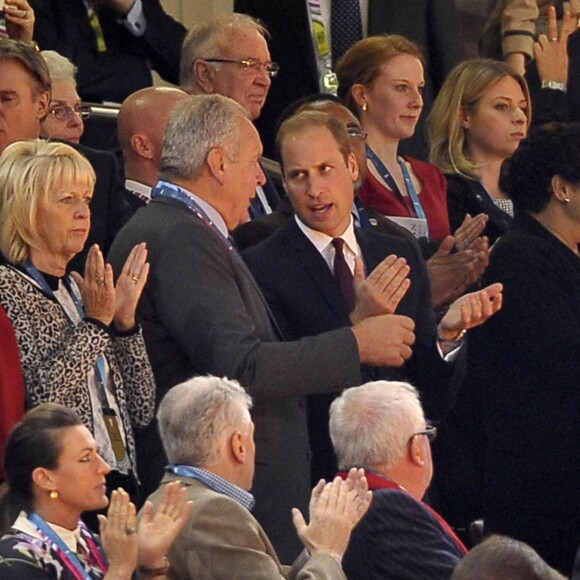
[{"x": 56, "y": 357}]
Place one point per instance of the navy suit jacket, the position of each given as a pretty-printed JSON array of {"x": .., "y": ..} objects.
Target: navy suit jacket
[
  {"x": 306, "y": 300},
  {"x": 399, "y": 538}
]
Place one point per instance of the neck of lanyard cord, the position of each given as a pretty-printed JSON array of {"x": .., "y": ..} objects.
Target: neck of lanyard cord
[
  {"x": 392, "y": 185},
  {"x": 165, "y": 189},
  {"x": 100, "y": 371}
]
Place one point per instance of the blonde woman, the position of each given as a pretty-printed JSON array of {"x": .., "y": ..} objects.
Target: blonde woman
[{"x": 478, "y": 120}]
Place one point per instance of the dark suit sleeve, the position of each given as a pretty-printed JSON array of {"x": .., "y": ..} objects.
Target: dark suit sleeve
[
  {"x": 445, "y": 44},
  {"x": 399, "y": 539},
  {"x": 436, "y": 379},
  {"x": 162, "y": 40},
  {"x": 63, "y": 26}
]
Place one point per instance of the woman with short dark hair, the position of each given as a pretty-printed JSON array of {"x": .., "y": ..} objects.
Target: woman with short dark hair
[{"x": 524, "y": 370}]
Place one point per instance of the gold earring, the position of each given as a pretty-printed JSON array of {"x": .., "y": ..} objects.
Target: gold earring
[
  {"x": 364, "y": 107},
  {"x": 54, "y": 494}
]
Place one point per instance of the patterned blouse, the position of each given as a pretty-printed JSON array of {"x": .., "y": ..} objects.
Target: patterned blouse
[
  {"x": 57, "y": 357},
  {"x": 28, "y": 556}
]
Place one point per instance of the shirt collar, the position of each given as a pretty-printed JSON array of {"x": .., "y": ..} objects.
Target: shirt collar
[
  {"x": 215, "y": 482},
  {"x": 212, "y": 213},
  {"x": 321, "y": 241},
  {"x": 69, "y": 537},
  {"x": 141, "y": 189}
]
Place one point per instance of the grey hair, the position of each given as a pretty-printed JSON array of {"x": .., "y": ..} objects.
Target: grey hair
[
  {"x": 196, "y": 126},
  {"x": 194, "y": 416},
  {"x": 370, "y": 425},
  {"x": 59, "y": 67},
  {"x": 208, "y": 39}
]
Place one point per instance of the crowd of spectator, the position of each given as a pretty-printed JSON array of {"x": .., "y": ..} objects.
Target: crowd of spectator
[{"x": 371, "y": 240}]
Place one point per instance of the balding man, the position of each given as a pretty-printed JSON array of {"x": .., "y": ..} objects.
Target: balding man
[
  {"x": 228, "y": 55},
  {"x": 381, "y": 426},
  {"x": 202, "y": 311},
  {"x": 208, "y": 435},
  {"x": 141, "y": 125}
]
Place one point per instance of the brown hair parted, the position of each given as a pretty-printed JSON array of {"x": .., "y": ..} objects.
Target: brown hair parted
[
  {"x": 362, "y": 63},
  {"x": 308, "y": 120},
  {"x": 34, "y": 442}
]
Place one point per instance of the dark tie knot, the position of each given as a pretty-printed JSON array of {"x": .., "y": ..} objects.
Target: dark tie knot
[{"x": 338, "y": 244}]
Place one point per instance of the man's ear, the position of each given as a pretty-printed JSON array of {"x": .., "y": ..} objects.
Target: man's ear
[
  {"x": 238, "y": 448},
  {"x": 142, "y": 145},
  {"x": 352, "y": 164},
  {"x": 416, "y": 452},
  {"x": 203, "y": 75},
  {"x": 217, "y": 162},
  {"x": 42, "y": 104}
]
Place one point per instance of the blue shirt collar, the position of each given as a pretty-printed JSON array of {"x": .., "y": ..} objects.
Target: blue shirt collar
[{"x": 215, "y": 482}]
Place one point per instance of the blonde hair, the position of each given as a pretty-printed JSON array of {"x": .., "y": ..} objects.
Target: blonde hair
[
  {"x": 463, "y": 88},
  {"x": 361, "y": 64},
  {"x": 29, "y": 171}
]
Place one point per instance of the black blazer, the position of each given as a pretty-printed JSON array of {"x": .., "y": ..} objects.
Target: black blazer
[
  {"x": 400, "y": 539},
  {"x": 516, "y": 422},
  {"x": 63, "y": 25},
  {"x": 468, "y": 196},
  {"x": 433, "y": 24},
  {"x": 305, "y": 298}
]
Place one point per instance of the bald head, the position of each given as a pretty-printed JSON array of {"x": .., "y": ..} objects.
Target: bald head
[{"x": 141, "y": 127}]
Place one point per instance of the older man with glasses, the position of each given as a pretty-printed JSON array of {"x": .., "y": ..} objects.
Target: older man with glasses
[
  {"x": 381, "y": 426},
  {"x": 228, "y": 55}
]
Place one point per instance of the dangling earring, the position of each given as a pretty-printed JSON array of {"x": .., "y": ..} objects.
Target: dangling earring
[
  {"x": 364, "y": 107},
  {"x": 53, "y": 494}
]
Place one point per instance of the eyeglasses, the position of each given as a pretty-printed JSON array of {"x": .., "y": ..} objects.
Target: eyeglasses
[
  {"x": 356, "y": 133},
  {"x": 430, "y": 432},
  {"x": 63, "y": 112},
  {"x": 250, "y": 64}
]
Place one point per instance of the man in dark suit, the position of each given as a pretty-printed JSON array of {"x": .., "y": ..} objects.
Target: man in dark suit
[
  {"x": 208, "y": 434},
  {"x": 228, "y": 55},
  {"x": 381, "y": 427},
  {"x": 432, "y": 24},
  {"x": 202, "y": 311},
  {"x": 25, "y": 81},
  {"x": 297, "y": 269},
  {"x": 113, "y": 43}
]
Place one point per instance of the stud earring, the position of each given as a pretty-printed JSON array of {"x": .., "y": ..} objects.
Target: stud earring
[
  {"x": 364, "y": 107},
  {"x": 566, "y": 200},
  {"x": 54, "y": 494}
]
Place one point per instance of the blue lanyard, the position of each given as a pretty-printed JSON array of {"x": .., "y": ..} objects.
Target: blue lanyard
[
  {"x": 390, "y": 181},
  {"x": 100, "y": 372},
  {"x": 78, "y": 569},
  {"x": 165, "y": 189}
]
